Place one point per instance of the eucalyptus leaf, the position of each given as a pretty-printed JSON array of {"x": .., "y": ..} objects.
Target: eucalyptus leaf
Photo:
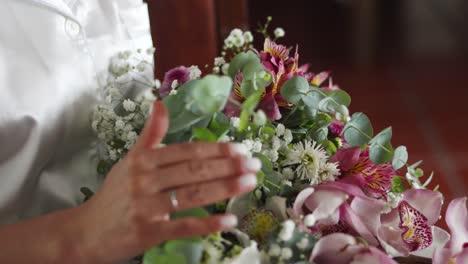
[
  {"x": 380, "y": 148},
  {"x": 211, "y": 93},
  {"x": 204, "y": 134},
  {"x": 191, "y": 249},
  {"x": 358, "y": 131},
  {"x": 248, "y": 107},
  {"x": 295, "y": 89},
  {"x": 400, "y": 157},
  {"x": 157, "y": 255},
  {"x": 240, "y": 60}
]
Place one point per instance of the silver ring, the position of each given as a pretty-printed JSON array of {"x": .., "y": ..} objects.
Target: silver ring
[{"x": 173, "y": 198}]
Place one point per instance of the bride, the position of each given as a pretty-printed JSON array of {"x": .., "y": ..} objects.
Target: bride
[{"x": 53, "y": 59}]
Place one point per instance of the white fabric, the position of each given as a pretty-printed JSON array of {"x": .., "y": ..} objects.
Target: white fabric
[{"x": 53, "y": 60}]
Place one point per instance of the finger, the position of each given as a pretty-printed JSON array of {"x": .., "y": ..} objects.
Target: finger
[
  {"x": 155, "y": 128},
  {"x": 177, "y": 153},
  {"x": 192, "y": 172},
  {"x": 202, "y": 194},
  {"x": 188, "y": 227}
]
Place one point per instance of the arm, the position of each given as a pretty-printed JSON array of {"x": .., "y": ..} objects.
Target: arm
[{"x": 130, "y": 213}]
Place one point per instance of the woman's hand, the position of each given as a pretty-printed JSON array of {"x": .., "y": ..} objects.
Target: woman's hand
[{"x": 130, "y": 213}]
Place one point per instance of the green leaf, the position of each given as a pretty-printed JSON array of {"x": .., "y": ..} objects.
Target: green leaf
[
  {"x": 204, "y": 134},
  {"x": 295, "y": 89},
  {"x": 183, "y": 121},
  {"x": 398, "y": 185},
  {"x": 358, "y": 131},
  {"x": 191, "y": 249},
  {"x": 240, "y": 61},
  {"x": 400, "y": 157},
  {"x": 248, "y": 107},
  {"x": 157, "y": 255},
  {"x": 267, "y": 166},
  {"x": 211, "y": 93},
  {"x": 340, "y": 97},
  {"x": 380, "y": 149}
]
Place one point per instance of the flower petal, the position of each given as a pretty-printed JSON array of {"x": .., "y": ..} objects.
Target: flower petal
[
  {"x": 391, "y": 241},
  {"x": 300, "y": 200},
  {"x": 323, "y": 204},
  {"x": 231, "y": 109},
  {"x": 270, "y": 107},
  {"x": 440, "y": 238},
  {"x": 347, "y": 158},
  {"x": 372, "y": 255},
  {"x": 462, "y": 258},
  {"x": 457, "y": 221},
  {"x": 336, "y": 248},
  {"x": 370, "y": 210},
  {"x": 428, "y": 202},
  {"x": 441, "y": 256},
  {"x": 417, "y": 232},
  {"x": 354, "y": 221},
  {"x": 320, "y": 78}
]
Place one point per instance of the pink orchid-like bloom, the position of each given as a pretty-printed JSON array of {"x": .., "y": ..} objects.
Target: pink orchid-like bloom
[
  {"x": 180, "y": 74},
  {"x": 340, "y": 207},
  {"x": 339, "y": 248},
  {"x": 276, "y": 60},
  {"x": 358, "y": 169},
  {"x": 336, "y": 127},
  {"x": 406, "y": 228},
  {"x": 455, "y": 250}
]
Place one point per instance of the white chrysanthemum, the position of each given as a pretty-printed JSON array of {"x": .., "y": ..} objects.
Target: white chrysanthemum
[
  {"x": 239, "y": 42},
  {"x": 288, "y": 173},
  {"x": 248, "y": 37},
  {"x": 195, "y": 72},
  {"x": 275, "y": 250},
  {"x": 329, "y": 171},
  {"x": 280, "y": 129},
  {"x": 129, "y": 105},
  {"x": 287, "y": 231},
  {"x": 308, "y": 156},
  {"x": 279, "y": 32},
  {"x": 286, "y": 253},
  {"x": 225, "y": 68},
  {"x": 229, "y": 42},
  {"x": 235, "y": 122},
  {"x": 288, "y": 137},
  {"x": 218, "y": 61},
  {"x": 236, "y": 33},
  {"x": 119, "y": 124},
  {"x": 275, "y": 143}
]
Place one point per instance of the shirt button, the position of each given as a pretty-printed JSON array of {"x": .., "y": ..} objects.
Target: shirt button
[{"x": 72, "y": 28}]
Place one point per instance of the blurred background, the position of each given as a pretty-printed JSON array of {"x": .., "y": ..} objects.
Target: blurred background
[{"x": 403, "y": 62}]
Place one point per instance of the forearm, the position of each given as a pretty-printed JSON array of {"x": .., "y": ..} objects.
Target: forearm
[{"x": 53, "y": 238}]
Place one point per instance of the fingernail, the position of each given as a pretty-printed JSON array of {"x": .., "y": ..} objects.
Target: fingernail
[
  {"x": 229, "y": 221},
  {"x": 253, "y": 164},
  {"x": 248, "y": 181},
  {"x": 239, "y": 149}
]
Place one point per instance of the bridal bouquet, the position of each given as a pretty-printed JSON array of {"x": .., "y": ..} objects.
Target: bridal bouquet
[{"x": 331, "y": 190}]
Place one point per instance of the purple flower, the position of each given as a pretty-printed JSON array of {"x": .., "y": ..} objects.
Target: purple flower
[{"x": 180, "y": 74}]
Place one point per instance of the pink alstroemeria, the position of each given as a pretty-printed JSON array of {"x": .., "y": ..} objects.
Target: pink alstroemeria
[
  {"x": 456, "y": 250},
  {"x": 358, "y": 169},
  {"x": 339, "y": 248},
  {"x": 180, "y": 74},
  {"x": 276, "y": 60}
]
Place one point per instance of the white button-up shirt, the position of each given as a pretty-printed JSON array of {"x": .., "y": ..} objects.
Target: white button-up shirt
[{"x": 53, "y": 62}]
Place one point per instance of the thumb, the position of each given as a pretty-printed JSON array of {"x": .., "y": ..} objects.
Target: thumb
[{"x": 155, "y": 128}]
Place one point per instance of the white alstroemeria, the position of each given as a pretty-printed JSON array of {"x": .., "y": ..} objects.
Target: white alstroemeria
[
  {"x": 218, "y": 61},
  {"x": 308, "y": 156},
  {"x": 279, "y": 32},
  {"x": 248, "y": 37},
  {"x": 195, "y": 72},
  {"x": 129, "y": 105}
]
